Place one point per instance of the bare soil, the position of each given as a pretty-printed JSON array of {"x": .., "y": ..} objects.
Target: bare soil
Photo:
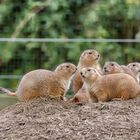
[{"x": 46, "y": 119}]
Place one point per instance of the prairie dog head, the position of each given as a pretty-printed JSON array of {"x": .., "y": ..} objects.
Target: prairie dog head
[
  {"x": 89, "y": 74},
  {"x": 112, "y": 67},
  {"x": 66, "y": 70},
  {"x": 135, "y": 67},
  {"x": 89, "y": 58}
]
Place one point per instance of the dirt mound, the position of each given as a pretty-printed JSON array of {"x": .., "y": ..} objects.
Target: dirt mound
[{"x": 44, "y": 119}]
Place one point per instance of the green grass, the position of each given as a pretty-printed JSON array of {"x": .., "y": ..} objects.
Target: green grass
[
  {"x": 9, "y": 100},
  {"x": 6, "y": 100}
]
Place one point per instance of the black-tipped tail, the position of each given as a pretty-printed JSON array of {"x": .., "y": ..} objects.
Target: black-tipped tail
[{"x": 6, "y": 91}]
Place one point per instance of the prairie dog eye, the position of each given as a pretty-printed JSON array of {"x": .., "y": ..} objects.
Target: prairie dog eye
[
  {"x": 90, "y": 53},
  {"x": 134, "y": 65},
  {"x": 112, "y": 64},
  {"x": 98, "y": 55},
  {"x": 89, "y": 69},
  {"x": 67, "y": 66}
]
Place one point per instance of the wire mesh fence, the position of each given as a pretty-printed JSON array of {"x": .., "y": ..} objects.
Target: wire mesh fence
[{"x": 49, "y": 52}]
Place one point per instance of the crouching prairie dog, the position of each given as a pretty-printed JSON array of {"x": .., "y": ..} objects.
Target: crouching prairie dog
[
  {"x": 107, "y": 87},
  {"x": 82, "y": 96},
  {"x": 112, "y": 67},
  {"x": 135, "y": 67},
  {"x": 44, "y": 83},
  {"x": 89, "y": 58}
]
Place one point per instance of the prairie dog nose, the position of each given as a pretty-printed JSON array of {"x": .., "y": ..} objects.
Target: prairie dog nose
[
  {"x": 75, "y": 70},
  {"x": 105, "y": 68},
  {"x": 82, "y": 74}
]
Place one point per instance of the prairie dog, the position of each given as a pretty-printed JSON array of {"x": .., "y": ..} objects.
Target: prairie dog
[
  {"x": 89, "y": 58},
  {"x": 135, "y": 67},
  {"x": 113, "y": 67},
  {"x": 82, "y": 96},
  {"x": 107, "y": 87},
  {"x": 44, "y": 83}
]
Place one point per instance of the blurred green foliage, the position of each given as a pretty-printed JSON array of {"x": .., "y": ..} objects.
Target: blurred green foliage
[{"x": 65, "y": 19}]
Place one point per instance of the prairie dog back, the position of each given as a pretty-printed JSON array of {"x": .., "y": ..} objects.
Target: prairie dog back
[{"x": 32, "y": 82}]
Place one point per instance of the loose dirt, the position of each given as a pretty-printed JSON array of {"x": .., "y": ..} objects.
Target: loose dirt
[{"x": 46, "y": 119}]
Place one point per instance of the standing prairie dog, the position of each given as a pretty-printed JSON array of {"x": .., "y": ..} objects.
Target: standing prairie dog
[
  {"x": 44, "y": 82},
  {"x": 107, "y": 87},
  {"x": 135, "y": 67},
  {"x": 89, "y": 58},
  {"x": 113, "y": 67}
]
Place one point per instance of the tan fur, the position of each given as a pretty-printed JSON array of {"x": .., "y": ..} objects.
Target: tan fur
[
  {"x": 82, "y": 96},
  {"x": 135, "y": 67},
  {"x": 44, "y": 82},
  {"x": 113, "y": 67},
  {"x": 89, "y": 58},
  {"x": 107, "y": 87}
]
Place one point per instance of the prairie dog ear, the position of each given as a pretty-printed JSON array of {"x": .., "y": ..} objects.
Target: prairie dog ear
[
  {"x": 83, "y": 54},
  {"x": 97, "y": 72},
  {"x": 58, "y": 68},
  {"x": 128, "y": 65}
]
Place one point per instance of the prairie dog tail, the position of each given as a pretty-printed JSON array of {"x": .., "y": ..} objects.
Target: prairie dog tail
[{"x": 8, "y": 92}]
